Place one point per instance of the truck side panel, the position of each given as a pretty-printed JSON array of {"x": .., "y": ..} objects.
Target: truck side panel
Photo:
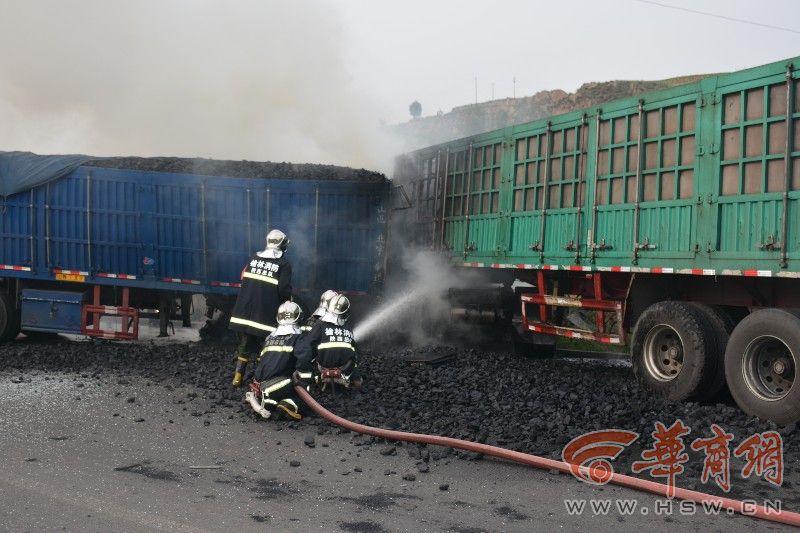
[
  {"x": 191, "y": 233},
  {"x": 695, "y": 179}
]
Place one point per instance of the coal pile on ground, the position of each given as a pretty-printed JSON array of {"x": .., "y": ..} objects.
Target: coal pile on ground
[
  {"x": 534, "y": 406},
  {"x": 239, "y": 169}
]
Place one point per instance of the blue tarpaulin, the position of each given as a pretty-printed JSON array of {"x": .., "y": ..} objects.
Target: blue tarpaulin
[{"x": 22, "y": 171}]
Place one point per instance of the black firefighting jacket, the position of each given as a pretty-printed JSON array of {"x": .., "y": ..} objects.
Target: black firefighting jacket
[
  {"x": 329, "y": 346},
  {"x": 309, "y": 325},
  {"x": 266, "y": 284},
  {"x": 277, "y": 357}
]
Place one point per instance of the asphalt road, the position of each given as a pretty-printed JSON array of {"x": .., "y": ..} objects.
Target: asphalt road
[{"x": 91, "y": 453}]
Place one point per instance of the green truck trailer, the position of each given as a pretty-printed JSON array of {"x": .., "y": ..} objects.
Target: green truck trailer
[{"x": 669, "y": 222}]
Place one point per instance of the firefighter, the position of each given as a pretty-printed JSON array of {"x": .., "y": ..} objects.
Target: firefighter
[
  {"x": 329, "y": 348},
  {"x": 271, "y": 388},
  {"x": 321, "y": 310},
  {"x": 266, "y": 282}
]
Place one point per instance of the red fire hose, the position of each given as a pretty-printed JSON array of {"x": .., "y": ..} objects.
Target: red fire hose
[{"x": 758, "y": 511}]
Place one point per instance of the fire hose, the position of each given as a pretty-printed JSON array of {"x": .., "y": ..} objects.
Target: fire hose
[{"x": 660, "y": 489}]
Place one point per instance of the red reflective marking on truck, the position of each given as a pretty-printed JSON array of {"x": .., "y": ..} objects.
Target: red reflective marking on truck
[
  {"x": 70, "y": 272},
  {"x": 115, "y": 276},
  {"x": 16, "y": 267},
  {"x": 757, "y": 273},
  {"x": 179, "y": 280}
]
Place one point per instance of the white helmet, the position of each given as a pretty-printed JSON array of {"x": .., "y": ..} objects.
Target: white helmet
[
  {"x": 339, "y": 306},
  {"x": 289, "y": 313},
  {"x": 277, "y": 240},
  {"x": 326, "y": 297}
]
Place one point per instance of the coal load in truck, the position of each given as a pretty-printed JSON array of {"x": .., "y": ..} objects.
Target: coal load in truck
[{"x": 238, "y": 169}]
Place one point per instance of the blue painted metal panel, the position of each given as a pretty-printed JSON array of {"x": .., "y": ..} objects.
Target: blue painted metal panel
[
  {"x": 56, "y": 311},
  {"x": 114, "y": 227},
  {"x": 16, "y": 229},
  {"x": 162, "y": 226},
  {"x": 67, "y": 220}
]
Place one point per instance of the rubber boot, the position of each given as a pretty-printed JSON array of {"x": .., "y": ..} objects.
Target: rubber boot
[
  {"x": 290, "y": 409},
  {"x": 238, "y": 374}
]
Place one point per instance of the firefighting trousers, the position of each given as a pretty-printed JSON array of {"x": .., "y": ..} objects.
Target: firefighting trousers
[
  {"x": 249, "y": 346},
  {"x": 280, "y": 388}
]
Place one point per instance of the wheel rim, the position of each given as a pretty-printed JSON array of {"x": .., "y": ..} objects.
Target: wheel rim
[
  {"x": 768, "y": 368},
  {"x": 663, "y": 353}
]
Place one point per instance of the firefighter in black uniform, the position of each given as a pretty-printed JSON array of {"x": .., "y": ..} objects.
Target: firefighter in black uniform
[
  {"x": 266, "y": 282},
  {"x": 330, "y": 347},
  {"x": 271, "y": 390},
  {"x": 321, "y": 310}
]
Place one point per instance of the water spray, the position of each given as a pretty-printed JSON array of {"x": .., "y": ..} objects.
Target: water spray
[{"x": 391, "y": 310}]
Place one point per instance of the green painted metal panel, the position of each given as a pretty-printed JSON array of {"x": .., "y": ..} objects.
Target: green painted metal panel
[
  {"x": 523, "y": 227},
  {"x": 689, "y": 177}
]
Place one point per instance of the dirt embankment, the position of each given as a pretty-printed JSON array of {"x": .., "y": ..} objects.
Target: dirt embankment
[{"x": 472, "y": 119}]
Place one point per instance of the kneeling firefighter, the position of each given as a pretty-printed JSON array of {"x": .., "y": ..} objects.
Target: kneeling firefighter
[
  {"x": 266, "y": 282},
  {"x": 271, "y": 388},
  {"x": 331, "y": 347},
  {"x": 326, "y": 297}
]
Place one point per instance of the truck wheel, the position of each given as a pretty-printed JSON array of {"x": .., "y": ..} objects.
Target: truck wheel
[
  {"x": 720, "y": 325},
  {"x": 761, "y": 364},
  {"x": 9, "y": 318},
  {"x": 670, "y": 350}
]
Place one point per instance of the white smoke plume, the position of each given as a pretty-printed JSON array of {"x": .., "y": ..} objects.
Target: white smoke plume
[
  {"x": 416, "y": 304},
  {"x": 249, "y": 79}
]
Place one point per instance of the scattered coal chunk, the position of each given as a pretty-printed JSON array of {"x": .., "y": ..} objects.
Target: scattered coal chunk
[
  {"x": 388, "y": 450},
  {"x": 482, "y": 395},
  {"x": 294, "y": 462},
  {"x": 309, "y": 441}
]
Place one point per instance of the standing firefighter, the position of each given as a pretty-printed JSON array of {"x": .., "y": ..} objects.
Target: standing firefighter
[
  {"x": 326, "y": 297},
  {"x": 331, "y": 347},
  {"x": 271, "y": 389},
  {"x": 266, "y": 282}
]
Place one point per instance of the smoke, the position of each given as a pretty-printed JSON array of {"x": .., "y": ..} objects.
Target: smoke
[
  {"x": 416, "y": 306},
  {"x": 235, "y": 80}
]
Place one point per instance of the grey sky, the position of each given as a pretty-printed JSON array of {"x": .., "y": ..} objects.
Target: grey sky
[
  {"x": 431, "y": 50},
  {"x": 310, "y": 80}
]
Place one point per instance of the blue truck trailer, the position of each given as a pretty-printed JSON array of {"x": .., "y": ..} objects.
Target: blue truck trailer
[{"x": 80, "y": 239}]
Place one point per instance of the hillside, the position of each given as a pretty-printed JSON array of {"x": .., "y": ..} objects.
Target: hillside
[{"x": 486, "y": 116}]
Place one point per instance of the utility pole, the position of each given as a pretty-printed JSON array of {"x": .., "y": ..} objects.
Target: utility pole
[
  {"x": 492, "y": 90},
  {"x": 514, "y": 85},
  {"x": 476, "y": 89}
]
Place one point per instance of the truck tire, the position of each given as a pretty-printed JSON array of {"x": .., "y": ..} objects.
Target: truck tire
[
  {"x": 760, "y": 365},
  {"x": 670, "y": 350},
  {"x": 720, "y": 325},
  {"x": 9, "y": 318}
]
